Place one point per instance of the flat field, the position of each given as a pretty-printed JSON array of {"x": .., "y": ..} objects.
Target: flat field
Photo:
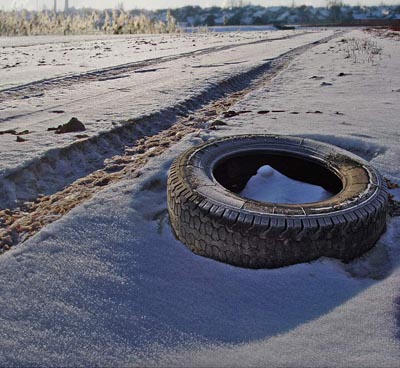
[{"x": 90, "y": 271}]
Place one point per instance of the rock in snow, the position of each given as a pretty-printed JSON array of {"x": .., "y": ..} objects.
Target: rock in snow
[{"x": 74, "y": 125}]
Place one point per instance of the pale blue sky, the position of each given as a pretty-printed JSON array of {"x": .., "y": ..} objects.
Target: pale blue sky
[{"x": 155, "y": 4}]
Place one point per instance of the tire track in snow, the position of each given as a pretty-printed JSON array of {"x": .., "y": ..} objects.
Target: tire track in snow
[
  {"x": 115, "y": 72},
  {"x": 107, "y": 159}
]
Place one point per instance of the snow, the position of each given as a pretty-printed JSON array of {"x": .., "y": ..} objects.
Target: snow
[
  {"x": 108, "y": 284},
  {"x": 269, "y": 185},
  {"x": 65, "y": 55},
  {"x": 160, "y": 88}
]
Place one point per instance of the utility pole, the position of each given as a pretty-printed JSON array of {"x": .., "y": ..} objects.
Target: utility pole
[
  {"x": 55, "y": 6},
  {"x": 66, "y": 6}
]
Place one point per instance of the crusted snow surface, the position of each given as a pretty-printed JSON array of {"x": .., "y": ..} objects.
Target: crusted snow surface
[
  {"x": 108, "y": 284},
  {"x": 27, "y": 59},
  {"x": 269, "y": 185},
  {"x": 357, "y": 112},
  {"x": 108, "y": 102}
]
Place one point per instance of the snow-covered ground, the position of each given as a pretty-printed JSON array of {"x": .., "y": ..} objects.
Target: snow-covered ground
[
  {"x": 25, "y": 59},
  {"x": 106, "y": 101},
  {"x": 108, "y": 284}
]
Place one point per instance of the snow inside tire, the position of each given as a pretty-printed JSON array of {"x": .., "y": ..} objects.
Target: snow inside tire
[{"x": 212, "y": 220}]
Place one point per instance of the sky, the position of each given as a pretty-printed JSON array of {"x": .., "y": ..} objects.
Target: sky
[{"x": 157, "y": 4}]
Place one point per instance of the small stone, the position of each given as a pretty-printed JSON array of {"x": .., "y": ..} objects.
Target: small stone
[
  {"x": 74, "y": 125},
  {"x": 20, "y": 139},
  {"x": 217, "y": 123},
  {"x": 230, "y": 113}
]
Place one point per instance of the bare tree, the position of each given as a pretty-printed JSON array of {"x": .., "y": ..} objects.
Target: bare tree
[{"x": 335, "y": 8}]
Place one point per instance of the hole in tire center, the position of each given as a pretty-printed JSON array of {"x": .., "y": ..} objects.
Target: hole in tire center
[{"x": 290, "y": 178}]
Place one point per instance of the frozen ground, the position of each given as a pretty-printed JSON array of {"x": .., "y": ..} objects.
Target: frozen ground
[
  {"x": 27, "y": 59},
  {"x": 108, "y": 100},
  {"x": 108, "y": 284}
]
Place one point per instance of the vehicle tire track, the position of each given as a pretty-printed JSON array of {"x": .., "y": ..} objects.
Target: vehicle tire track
[
  {"x": 115, "y": 72},
  {"x": 119, "y": 154}
]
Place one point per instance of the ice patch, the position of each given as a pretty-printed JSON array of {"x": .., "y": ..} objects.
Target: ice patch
[{"x": 269, "y": 185}]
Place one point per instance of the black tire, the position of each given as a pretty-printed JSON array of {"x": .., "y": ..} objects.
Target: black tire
[{"x": 215, "y": 222}]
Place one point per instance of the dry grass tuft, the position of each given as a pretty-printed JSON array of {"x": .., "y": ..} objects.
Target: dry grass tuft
[{"x": 27, "y": 23}]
